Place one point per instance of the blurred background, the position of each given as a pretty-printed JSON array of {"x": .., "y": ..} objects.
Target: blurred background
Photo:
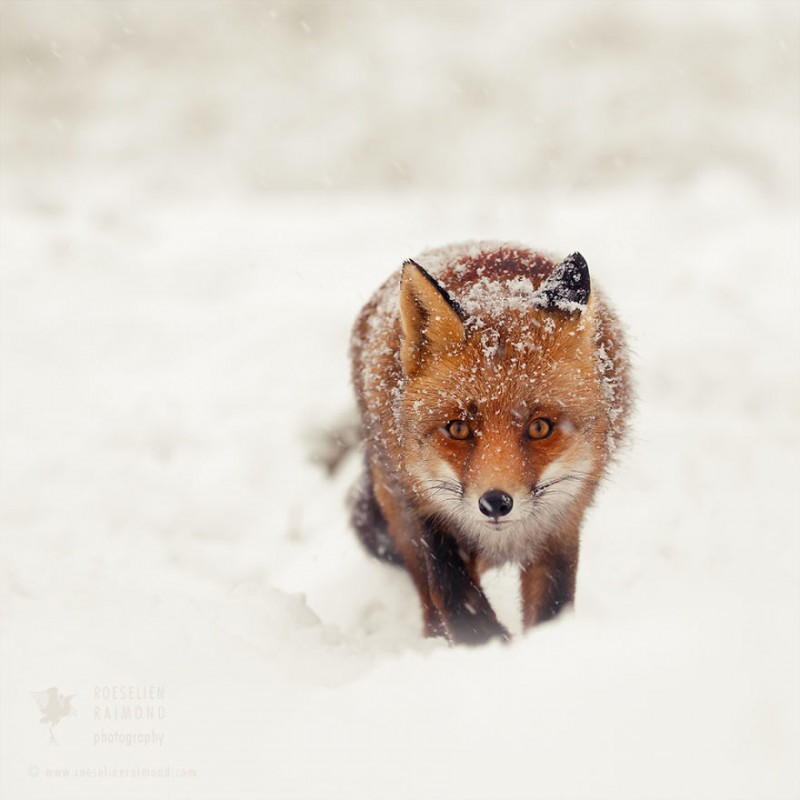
[{"x": 195, "y": 96}]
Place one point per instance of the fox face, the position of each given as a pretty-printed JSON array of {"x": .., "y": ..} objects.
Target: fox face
[{"x": 500, "y": 414}]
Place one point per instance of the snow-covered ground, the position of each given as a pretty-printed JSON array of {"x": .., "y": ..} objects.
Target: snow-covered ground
[{"x": 197, "y": 198}]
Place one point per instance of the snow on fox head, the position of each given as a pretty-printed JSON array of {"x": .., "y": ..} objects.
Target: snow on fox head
[{"x": 504, "y": 412}]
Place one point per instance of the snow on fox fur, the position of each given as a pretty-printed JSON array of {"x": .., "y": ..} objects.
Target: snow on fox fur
[{"x": 493, "y": 388}]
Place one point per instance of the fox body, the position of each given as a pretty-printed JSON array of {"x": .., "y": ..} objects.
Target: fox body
[{"x": 492, "y": 383}]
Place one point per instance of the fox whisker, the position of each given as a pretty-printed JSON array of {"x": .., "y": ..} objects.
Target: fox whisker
[
  {"x": 579, "y": 477},
  {"x": 443, "y": 487}
]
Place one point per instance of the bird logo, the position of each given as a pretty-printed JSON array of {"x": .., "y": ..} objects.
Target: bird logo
[{"x": 54, "y": 708}]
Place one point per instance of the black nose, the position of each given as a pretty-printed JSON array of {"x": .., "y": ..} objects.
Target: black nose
[{"x": 495, "y": 503}]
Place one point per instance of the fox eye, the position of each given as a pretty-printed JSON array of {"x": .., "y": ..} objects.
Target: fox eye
[
  {"x": 540, "y": 428},
  {"x": 458, "y": 429}
]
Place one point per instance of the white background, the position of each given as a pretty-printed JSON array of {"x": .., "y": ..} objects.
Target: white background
[{"x": 197, "y": 198}]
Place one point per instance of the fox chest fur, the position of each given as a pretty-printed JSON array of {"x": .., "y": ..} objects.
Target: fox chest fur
[{"x": 492, "y": 384}]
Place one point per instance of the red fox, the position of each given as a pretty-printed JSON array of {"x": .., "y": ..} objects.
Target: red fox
[{"x": 493, "y": 389}]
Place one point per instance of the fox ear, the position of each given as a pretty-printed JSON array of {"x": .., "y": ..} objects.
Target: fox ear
[
  {"x": 567, "y": 288},
  {"x": 432, "y": 322}
]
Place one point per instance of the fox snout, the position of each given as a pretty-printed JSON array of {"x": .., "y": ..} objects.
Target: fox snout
[{"x": 495, "y": 503}]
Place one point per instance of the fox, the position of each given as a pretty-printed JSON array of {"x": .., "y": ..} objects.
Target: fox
[{"x": 493, "y": 389}]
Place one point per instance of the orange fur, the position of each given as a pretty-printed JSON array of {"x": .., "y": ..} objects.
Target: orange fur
[{"x": 496, "y": 336}]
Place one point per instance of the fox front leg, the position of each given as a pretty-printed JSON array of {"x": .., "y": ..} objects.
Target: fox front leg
[
  {"x": 455, "y": 591},
  {"x": 548, "y": 582}
]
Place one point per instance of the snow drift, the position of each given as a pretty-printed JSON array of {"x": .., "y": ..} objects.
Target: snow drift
[{"x": 174, "y": 320}]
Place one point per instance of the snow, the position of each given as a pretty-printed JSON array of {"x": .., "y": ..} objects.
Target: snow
[{"x": 178, "y": 286}]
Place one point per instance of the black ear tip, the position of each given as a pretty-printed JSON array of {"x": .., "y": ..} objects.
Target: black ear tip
[
  {"x": 410, "y": 263},
  {"x": 576, "y": 270},
  {"x": 569, "y": 285},
  {"x": 575, "y": 262}
]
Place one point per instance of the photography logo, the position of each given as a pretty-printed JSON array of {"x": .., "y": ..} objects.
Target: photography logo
[{"x": 54, "y": 708}]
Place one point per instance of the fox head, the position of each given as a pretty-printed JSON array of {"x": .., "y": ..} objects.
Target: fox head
[{"x": 502, "y": 405}]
